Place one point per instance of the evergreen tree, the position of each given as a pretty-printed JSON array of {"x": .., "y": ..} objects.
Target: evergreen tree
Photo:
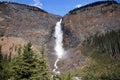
[
  {"x": 29, "y": 65},
  {"x": 4, "y": 66},
  {"x": 1, "y": 66},
  {"x": 68, "y": 76},
  {"x": 108, "y": 42}
]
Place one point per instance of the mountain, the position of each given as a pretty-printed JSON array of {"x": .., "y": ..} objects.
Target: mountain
[
  {"x": 21, "y": 23},
  {"x": 82, "y": 23},
  {"x": 27, "y": 23},
  {"x": 91, "y": 19}
]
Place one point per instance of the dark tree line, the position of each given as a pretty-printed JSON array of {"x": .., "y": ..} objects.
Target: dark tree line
[
  {"x": 85, "y": 7},
  {"x": 108, "y": 42},
  {"x": 28, "y": 65}
]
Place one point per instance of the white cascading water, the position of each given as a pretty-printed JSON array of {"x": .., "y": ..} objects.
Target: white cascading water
[
  {"x": 77, "y": 78},
  {"x": 59, "y": 50}
]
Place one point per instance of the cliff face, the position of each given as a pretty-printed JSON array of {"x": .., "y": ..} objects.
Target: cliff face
[
  {"x": 95, "y": 18},
  {"x": 26, "y": 22},
  {"x": 84, "y": 22}
]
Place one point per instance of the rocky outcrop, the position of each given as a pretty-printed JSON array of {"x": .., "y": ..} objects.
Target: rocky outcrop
[{"x": 10, "y": 45}]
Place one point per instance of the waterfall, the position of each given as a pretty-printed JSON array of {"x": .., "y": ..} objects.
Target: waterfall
[{"x": 59, "y": 50}]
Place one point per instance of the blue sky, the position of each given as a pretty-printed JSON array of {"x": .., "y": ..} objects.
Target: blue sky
[{"x": 59, "y": 7}]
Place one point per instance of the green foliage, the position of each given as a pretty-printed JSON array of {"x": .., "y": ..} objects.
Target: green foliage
[
  {"x": 29, "y": 66},
  {"x": 67, "y": 76},
  {"x": 103, "y": 68},
  {"x": 57, "y": 77},
  {"x": 42, "y": 50},
  {"x": 108, "y": 42},
  {"x": 4, "y": 66},
  {"x": 1, "y": 65},
  {"x": 85, "y": 7},
  {"x": 103, "y": 53}
]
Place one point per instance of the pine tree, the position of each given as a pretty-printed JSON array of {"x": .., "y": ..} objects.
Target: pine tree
[
  {"x": 4, "y": 66},
  {"x": 30, "y": 66},
  {"x": 68, "y": 76},
  {"x": 1, "y": 66}
]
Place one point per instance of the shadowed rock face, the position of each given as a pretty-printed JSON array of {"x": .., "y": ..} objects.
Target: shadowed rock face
[{"x": 33, "y": 24}]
